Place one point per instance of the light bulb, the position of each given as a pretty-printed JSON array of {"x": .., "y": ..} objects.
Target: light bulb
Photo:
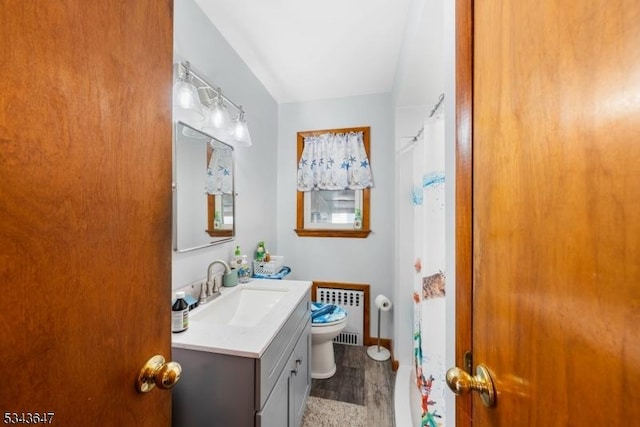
[
  {"x": 240, "y": 131},
  {"x": 219, "y": 114},
  {"x": 186, "y": 102}
]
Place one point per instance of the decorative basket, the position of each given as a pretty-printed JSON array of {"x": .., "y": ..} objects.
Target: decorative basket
[{"x": 271, "y": 267}]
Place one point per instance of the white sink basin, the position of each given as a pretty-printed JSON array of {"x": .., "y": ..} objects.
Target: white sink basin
[
  {"x": 244, "y": 306},
  {"x": 244, "y": 320}
]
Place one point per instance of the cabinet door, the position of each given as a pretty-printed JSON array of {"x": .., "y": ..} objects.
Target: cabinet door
[
  {"x": 275, "y": 412},
  {"x": 286, "y": 403},
  {"x": 300, "y": 377}
]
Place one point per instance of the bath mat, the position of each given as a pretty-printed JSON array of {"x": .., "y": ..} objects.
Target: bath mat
[{"x": 332, "y": 413}]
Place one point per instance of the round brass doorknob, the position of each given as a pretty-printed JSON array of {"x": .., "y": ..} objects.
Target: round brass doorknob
[
  {"x": 158, "y": 373},
  {"x": 461, "y": 383}
]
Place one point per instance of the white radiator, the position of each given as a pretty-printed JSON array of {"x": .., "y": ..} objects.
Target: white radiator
[{"x": 353, "y": 303}]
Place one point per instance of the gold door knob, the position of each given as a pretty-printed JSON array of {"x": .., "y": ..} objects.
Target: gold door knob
[
  {"x": 461, "y": 383},
  {"x": 158, "y": 373}
]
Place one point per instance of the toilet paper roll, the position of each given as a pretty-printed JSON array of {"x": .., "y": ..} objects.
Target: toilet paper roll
[{"x": 383, "y": 303}]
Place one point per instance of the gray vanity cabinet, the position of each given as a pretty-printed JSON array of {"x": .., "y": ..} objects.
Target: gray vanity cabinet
[{"x": 224, "y": 390}]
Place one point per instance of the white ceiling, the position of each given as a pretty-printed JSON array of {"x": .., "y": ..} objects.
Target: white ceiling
[{"x": 304, "y": 50}]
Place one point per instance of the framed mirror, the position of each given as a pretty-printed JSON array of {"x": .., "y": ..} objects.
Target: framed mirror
[{"x": 203, "y": 189}]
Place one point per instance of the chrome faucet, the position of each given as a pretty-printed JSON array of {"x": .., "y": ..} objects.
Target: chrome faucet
[{"x": 210, "y": 290}]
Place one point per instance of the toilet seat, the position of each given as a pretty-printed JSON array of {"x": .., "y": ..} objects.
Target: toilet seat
[
  {"x": 323, "y": 314},
  {"x": 323, "y": 325}
]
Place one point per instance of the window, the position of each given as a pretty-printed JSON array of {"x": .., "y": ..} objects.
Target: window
[
  {"x": 219, "y": 189},
  {"x": 327, "y": 203}
]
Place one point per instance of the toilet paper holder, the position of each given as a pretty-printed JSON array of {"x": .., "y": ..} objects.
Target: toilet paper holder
[{"x": 376, "y": 352}]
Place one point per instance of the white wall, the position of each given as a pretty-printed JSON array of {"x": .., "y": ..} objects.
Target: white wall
[
  {"x": 449, "y": 37},
  {"x": 198, "y": 41},
  {"x": 367, "y": 260}
]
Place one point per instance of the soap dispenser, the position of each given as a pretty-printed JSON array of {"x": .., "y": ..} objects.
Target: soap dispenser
[
  {"x": 244, "y": 272},
  {"x": 237, "y": 258}
]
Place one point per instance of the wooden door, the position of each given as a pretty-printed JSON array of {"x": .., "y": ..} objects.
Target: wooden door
[
  {"x": 85, "y": 209},
  {"x": 555, "y": 237}
]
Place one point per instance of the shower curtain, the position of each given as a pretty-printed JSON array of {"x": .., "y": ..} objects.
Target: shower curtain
[{"x": 429, "y": 269}]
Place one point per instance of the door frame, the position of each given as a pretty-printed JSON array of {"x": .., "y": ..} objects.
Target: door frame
[{"x": 464, "y": 195}]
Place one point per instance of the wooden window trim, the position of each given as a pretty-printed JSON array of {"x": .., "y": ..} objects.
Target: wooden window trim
[{"x": 366, "y": 193}]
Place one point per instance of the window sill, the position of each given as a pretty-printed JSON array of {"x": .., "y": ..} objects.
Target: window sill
[
  {"x": 220, "y": 233},
  {"x": 357, "y": 234}
]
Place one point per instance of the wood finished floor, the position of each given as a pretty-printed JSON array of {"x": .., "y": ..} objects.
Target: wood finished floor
[{"x": 362, "y": 381}]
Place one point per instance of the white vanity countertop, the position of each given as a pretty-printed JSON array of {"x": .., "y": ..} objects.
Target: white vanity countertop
[{"x": 241, "y": 340}]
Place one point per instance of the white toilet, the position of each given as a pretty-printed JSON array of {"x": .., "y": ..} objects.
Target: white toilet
[{"x": 327, "y": 321}]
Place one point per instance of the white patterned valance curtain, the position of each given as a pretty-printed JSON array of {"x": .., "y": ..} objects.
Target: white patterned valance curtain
[
  {"x": 334, "y": 161},
  {"x": 220, "y": 172}
]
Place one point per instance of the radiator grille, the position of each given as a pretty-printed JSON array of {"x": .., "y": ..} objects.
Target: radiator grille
[{"x": 353, "y": 303}]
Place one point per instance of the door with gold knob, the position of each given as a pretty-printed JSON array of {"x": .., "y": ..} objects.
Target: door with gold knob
[
  {"x": 85, "y": 208},
  {"x": 548, "y": 207}
]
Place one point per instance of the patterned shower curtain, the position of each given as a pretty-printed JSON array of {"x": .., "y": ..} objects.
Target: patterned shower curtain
[{"x": 429, "y": 266}]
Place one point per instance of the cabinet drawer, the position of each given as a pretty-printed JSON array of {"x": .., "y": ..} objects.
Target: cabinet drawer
[
  {"x": 269, "y": 366},
  {"x": 275, "y": 412}
]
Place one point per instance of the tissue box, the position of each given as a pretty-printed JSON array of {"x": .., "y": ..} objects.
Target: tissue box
[{"x": 271, "y": 267}]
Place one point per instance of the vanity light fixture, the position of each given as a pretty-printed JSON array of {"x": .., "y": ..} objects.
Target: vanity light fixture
[
  {"x": 187, "y": 105},
  {"x": 215, "y": 113}
]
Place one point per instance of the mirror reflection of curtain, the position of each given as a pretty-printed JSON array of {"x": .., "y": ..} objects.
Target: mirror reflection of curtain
[
  {"x": 220, "y": 172},
  {"x": 334, "y": 162},
  {"x": 429, "y": 277}
]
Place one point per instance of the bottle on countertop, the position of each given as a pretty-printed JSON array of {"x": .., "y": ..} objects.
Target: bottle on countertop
[
  {"x": 179, "y": 314},
  {"x": 244, "y": 272},
  {"x": 260, "y": 251},
  {"x": 236, "y": 260},
  {"x": 357, "y": 220}
]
